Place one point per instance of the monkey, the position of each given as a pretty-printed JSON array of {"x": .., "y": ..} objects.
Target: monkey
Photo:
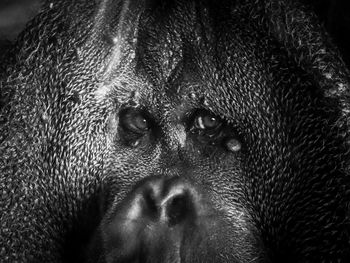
[{"x": 174, "y": 131}]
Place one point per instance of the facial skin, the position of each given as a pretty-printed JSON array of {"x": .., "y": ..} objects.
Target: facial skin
[
  {"x": 180, "y": 131},
  {"x": 265, "y": 193}
]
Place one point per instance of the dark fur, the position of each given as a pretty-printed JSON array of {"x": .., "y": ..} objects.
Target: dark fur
[{"x": 267, "y": 68}]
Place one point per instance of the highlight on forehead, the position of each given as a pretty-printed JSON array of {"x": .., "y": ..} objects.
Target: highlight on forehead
[{"x": 156, "y": 47}]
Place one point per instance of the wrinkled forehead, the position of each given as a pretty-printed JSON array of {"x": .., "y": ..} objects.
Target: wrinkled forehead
[
  {"x": 193, "y": 53},
  {"x": 192, "y": 41}
]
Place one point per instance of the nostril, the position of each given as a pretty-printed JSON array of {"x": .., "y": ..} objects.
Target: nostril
[
  {"x": 175, "y": 209},
  {"x": 178, "y": 209},
  {"x": 150, "y": 208}
]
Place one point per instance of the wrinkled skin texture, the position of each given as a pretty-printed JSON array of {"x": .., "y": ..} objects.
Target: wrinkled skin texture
[{"x": 76, "y": 185}]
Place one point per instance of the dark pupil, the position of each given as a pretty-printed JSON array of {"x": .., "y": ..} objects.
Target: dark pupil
[
  {"x": 207, "y": 122},
  {"x": 140, "y": 122}
]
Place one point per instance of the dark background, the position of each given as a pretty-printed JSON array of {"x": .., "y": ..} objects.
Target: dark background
[
  {"x": 13, "y": 16},
  {"x": 335, "y": 14}
]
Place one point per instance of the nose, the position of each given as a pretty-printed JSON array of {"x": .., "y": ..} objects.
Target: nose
[
  {"x": 166, "y": 202},
  {"x": 152, "y": 221}
]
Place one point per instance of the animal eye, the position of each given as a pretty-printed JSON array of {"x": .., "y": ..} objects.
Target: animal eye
[
  {"x": 134, "y": 120},
  {"x": 206, "y": 121},
  {"x": 206, "y": 127}
]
